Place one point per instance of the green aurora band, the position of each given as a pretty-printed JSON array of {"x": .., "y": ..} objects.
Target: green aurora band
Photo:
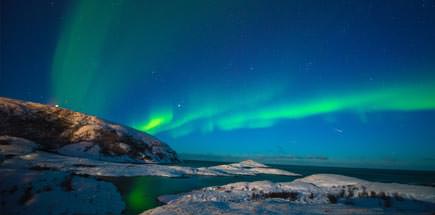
[
  {"x": 414, "y": 98},
  {"x": 83, "y": 73},
  {"x": 77, "y": 58},
  {"x": 91, "y": 58}
]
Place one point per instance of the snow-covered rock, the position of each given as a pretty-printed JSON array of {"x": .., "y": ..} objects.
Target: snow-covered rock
[
  {"x": 249, "y": 164},
  {"x": 50, "y": 192},
  {"x": 334, "y": 193},
  {"x": 354, "y": 187},
  {"x": 10, "y": 146},
  {"x": 247, "y": 167},
  {"x": 268, "y": 206},
  {"x": 76, "y": 134},
  {"x": 86, "y": 166}
]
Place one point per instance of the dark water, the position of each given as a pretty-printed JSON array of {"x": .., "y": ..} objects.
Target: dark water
[{"x": 140, "y": 193}]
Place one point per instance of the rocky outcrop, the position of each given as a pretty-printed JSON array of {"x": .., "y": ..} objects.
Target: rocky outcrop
[
  {"x": 261, "y": 207},
  {"x": 315, "y": 194},
  {"x": 75, "y": 134},
  {"x": 247, "y": 167},
  {"x": 52, "y": 192}
]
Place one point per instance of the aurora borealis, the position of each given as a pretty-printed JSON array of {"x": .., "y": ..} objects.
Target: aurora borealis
[{"x": 350, "y": 81}]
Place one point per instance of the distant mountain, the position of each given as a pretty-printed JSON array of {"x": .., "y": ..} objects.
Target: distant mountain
[{"x": 72, "y": 133}]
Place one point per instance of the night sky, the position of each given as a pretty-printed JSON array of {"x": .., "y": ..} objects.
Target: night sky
[{"x": 349, "y": 83}]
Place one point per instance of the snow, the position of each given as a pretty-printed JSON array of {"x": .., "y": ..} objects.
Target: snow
[
  {"x": 249, "y": 164},
  {"x": 269, "y": 206},
  {"x": 37, "y": 176},
  {"x": 24, "y": 166},
  {"x": 310, "y": 195},
  {"x": 35, "y": 182},
  {"x": 93, "y": 151},
  {"x": 86, "y": 166},
  {"x": 330, "y": 181},
  {"x": 69, "y": 131},
  {"x": 279, "y": 206},
  {"x": 81, "y": 149},
  {"x": 248, "y": 167},
  {"x": 19, "y": 153},
  {"x": 10, "y": 146},
  {"x": 50, "y": 192}
]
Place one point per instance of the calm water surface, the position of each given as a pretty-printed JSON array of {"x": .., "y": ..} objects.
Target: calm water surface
[{"x": 140, "y": 193}]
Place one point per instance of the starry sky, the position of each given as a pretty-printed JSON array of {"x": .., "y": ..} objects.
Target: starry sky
[{"x": 345, "y": 83}]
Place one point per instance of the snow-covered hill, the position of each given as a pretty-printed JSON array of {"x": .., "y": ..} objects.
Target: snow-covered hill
[{"x": 75, "y": 134}]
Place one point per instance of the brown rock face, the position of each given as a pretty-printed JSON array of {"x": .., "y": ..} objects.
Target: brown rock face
[{"x": 54, "y": 129}]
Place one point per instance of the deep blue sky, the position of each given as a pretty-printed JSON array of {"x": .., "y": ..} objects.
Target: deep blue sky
[{"x": 315, "y": 82}]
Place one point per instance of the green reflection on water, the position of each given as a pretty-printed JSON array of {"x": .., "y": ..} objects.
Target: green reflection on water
[
  {"x": 140, "y": 193},
  {"x": 139, "y": 196}
]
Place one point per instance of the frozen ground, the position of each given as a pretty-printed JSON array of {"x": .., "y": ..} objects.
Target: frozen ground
[
  {"x": 268, "y": 206},
  {"x": 315, "y": 194},
  {"x": 53, "y": 192},
  {"x": 84, "y": 166}
]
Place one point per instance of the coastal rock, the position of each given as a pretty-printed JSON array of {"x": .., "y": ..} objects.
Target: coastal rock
[
  {"x": 354, "y": 187},
  {"x": 268, "y": 206},
  {"x": 50, "y": 192},
  {"x": 311, "y": 195},
  {"x": 12, "y": 146},
  {"x": 75, "y": 134},
  {"x": 247, "y": 167}
]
